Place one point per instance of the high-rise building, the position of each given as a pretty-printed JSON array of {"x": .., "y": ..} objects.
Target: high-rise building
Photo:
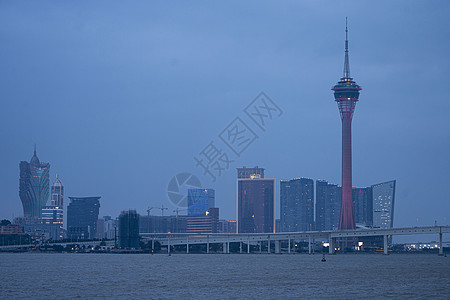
[
  {"x": 200, "y": 200},
  {"x": 163, "y": 224},
  {"x": 346, "y": 94},
  {"x": 54, "y": 213},
  {"x": 297, "y": 205},
  {"x": 363, "y": 205},
  {"x": 82, "y": 216},
  {"x": 33, "y": 186},
  {"x": 204, "y": 223},
  {"x": 328, "y": 205},
  {"x": 255, "y": 204},
  {"x": 383, "y": 204},
  {"x": 248, "y": 172},
  {"x": 129, "y": 230}
]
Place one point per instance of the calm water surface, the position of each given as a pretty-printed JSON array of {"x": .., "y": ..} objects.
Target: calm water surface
[{"x": 109, "y": 276}]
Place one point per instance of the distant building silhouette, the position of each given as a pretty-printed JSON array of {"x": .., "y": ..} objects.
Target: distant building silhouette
[
  {"x": 297, "y": 205},
  {"x": 247, "y": 172},
  {"x": 33, "y": 186},
  {"x": 82, "y": 216},
  {"x": 383, "y": 204},
  {"x": 207, "y": 222},
  {"x": 328, "y": 205},
  {"x": 200, "y": 200},
  {"x": 54, "y": 213},
  {"x": 255, "y": 203},
  {"x": 363, "y": 205},
  {"x": 129, "y": 230},
  {"x": 163, "y": 224},
  {"x": 227, "y": 226}
]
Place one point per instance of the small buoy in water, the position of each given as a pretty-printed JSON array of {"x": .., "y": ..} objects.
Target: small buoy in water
[{"x": 323, "y": 258}]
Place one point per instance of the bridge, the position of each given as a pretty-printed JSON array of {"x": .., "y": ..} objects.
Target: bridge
[
  {"x": 174, "y": 239},
  {"x": 64, "y": 244}
]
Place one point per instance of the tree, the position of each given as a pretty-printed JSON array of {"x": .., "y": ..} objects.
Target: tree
[{"x": 5, "y": 222}]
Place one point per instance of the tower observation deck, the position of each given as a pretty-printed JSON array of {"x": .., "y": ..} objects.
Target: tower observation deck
[{"x": 346, "y": 94}]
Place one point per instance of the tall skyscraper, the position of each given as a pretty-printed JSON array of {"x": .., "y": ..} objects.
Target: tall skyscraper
[
  {"x": 346, "y": 94},
  {"x": 82, "y": 216},
  {"x": 383, "y": 204},
  {"x": 54, "y": 213},
  {"x": 255, "y": 204},
  {"x": 297, "y": 205},
  {"x": 328, "y": 205},
  {"x": 129, "y": 230},
  {"x": 363, "y": 205},
  {"x": 248, "y": 172},
  {"x": 33, "y": 186},
  {"x": 200, "y": 200}
]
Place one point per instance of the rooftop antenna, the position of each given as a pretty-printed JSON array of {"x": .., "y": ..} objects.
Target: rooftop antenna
[{"x": 346, "y": 62}]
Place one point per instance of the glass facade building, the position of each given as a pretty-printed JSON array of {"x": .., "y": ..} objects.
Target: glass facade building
[
  {"x": 129, "y": 230},
  {"x": 255, "y": 205},
  {"x": 363, "y": 206},
  {"x": 82, "y": 216},
  {"x": 33, "y": 186},
  {"x": 328, "y": 205},
  {"x": 383, "y": 204},
  {"x": 200, "y": 200},
  {"x": 54, "y": 213},
  {"x": 248, "y": 172},
  {"x": 297, "y": 205}
]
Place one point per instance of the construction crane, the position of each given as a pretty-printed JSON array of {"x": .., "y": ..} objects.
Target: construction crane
[{"x": 162, "y": 208}]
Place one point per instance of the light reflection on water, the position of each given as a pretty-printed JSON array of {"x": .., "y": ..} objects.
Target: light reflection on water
[{"x": 40, "y": 276}]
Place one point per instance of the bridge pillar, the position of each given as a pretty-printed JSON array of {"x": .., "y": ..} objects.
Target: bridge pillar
[
  {"x": 248, "y": 246},
  {"x": 268, "y": 244},
  {"x": 260, "y": 247},
  {"x": 228, "y": 247},
  {"x": 187, "y": 245},
  {"x": 385, "y": 246},
  {"x": 441, "y": 250},
  {"x": 153, "y": 244},
  {"x": 289, "y": 245},
  {"x": 240, "y": 247},
  {"x": 309, "y": 245},
  {"x": 224, "y": 248},
  {"x": 277, "y": 247},
  {"x": 207, "y": 244},
  {"x": 168, "y": 245},
  {"x": 331, "y": 245}
]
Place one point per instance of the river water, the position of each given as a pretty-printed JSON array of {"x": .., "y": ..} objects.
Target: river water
[{"x": 222, "y": 276}]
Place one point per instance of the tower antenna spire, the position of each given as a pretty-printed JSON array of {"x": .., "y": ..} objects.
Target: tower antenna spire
[
  {"x": 34, "y": 149},
  {"x": 346, "y": 62}
]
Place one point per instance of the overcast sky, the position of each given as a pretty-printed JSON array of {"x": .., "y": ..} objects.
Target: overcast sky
[{"x": 120, "y": 96}]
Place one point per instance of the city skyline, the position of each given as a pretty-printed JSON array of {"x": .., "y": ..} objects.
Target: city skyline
[{"x": 113, "y": 113}]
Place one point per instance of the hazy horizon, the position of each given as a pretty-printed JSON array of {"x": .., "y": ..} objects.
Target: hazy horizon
[{"x": 120, "y": 97}]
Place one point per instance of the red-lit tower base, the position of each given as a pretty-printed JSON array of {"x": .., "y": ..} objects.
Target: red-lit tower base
[{"x": 346, "y": 93}]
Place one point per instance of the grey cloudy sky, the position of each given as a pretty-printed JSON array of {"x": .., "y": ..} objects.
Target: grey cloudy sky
[{"x": 120, "y": 96}]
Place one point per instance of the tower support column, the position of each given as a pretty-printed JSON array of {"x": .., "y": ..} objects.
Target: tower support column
[{"x": 441, "y": 250}]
